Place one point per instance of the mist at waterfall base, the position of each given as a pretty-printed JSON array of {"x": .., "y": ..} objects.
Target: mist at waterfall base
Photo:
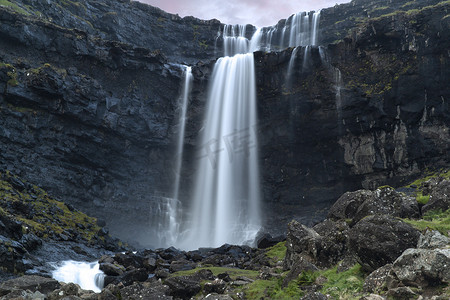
[
  {"x": 87, "y": 275},
  {"x": 225, "y": 201}
]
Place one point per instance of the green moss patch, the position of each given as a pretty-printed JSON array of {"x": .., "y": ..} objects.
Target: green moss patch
[
  {"x": 40, "y": 213},
  {"x": 434, "y": 220},
  {"x": 14, "y": 7},
  {"x": 277, "y": 252}
]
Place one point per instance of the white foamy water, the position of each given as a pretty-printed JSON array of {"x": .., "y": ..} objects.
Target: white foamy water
[{"x": 87, "y": 275}]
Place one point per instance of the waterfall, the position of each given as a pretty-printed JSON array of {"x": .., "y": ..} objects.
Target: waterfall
[
  {"x": 291, "y": 65},
  {"x": 300, "y": 29},
  {"x": 87, "y": 275},
  {"x": 226, "y": 196},
  {"x": 172, "y": 206}
]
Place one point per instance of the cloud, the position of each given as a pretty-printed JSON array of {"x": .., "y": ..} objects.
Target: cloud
[{"x": 257, "y": 12}]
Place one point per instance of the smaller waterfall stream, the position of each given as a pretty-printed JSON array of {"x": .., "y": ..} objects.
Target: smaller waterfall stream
[{"x": 87, "y": 275}]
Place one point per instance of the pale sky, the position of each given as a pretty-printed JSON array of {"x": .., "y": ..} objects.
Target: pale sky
[{"x": 257, "y": 12}]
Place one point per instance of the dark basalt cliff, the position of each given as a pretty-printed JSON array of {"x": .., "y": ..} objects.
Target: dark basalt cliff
[{"x": 89, "y": 104}]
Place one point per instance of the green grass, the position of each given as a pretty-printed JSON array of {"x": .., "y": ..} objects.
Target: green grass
[
  {"x": 344, "y": 285},
  {"x": 14, "y": 7},
  {"x": 232, "y": 272},
  {"x": 416, "y": 184},
  {"x": 435, "y": 220},
  {"x": 277, "y": 252}
]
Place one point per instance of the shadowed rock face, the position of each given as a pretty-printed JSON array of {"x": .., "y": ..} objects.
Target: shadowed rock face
[{"x": 90, "y": 114}]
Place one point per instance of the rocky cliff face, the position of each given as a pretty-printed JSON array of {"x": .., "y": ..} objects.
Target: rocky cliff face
[{"x": 90, "y": 113}]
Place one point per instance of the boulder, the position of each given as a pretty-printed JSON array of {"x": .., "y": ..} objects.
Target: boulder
[
  {"x": 299, "y": 266},
  {"x": 433, "y": 239},
  {"x": 347, "y": 205},
  {"x": 267, "y": 240},
  {"x": 111, "y": 269},
  {"x": 183, "y": 287},
  {"x": 439, "y": 197},
  {"x": 301, "y": 240},
  {"x": 423, "y": 267},
  {"x": 332, "y": 246},
  {"x": 376, "y": 280},
  {"x": 378, "y": 240},
  {"x": 386, "y": 201}
]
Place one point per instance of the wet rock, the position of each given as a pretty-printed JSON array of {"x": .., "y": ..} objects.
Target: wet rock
[
  {"x": 112, "y": 269},
  {"x": 136, "y": 275},
  {"x": 423, "y": 267},
  {"x": 30, "y": 282},
  {"x": 379, "y": 240}
]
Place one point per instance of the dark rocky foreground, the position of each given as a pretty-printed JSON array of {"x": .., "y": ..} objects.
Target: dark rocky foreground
[
  {"x": 89, "y": 105},
  {"x": 372, "y": 245}
]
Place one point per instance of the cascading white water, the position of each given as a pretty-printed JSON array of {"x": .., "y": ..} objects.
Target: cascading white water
[
  {"x": 173, "y": 206},
  {"x": 301, "y": 29},
  {"x": 87, "y": 275},
  {"x": 226, "y": 197},
  {"x": 291, "y": 64}
]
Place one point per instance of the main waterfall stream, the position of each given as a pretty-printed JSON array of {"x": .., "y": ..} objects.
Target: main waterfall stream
[
  {"x": 226, "y": 196},
  {"x": 225, "y": 202}
]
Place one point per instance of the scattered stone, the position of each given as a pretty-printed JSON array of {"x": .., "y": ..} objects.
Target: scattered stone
[
  {"x": 402, "y": 293},
  {"x": 314, "y": 296},
  {"x": 32, "y": 283}
]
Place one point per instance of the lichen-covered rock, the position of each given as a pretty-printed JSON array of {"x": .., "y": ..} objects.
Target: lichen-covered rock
[
  {"x": 433, "y": 239},
  {"x": 423, "y": 267},
  {"x": 386, "y": 201},
  {"x": 378, "y": 240},
  {"x": 439, "y": 197},
  {"x": 333, "y": 244},
  {"x": 301, "y": 240},
  {"x": 376, "y": 281}
]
